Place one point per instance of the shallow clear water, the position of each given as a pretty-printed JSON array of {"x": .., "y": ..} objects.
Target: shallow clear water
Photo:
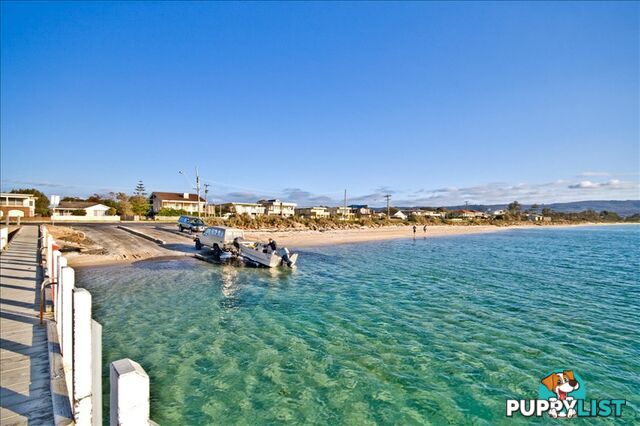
[{"x": 400, "y": 332}]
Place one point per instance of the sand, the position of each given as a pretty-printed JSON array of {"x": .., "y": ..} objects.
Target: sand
[{"x": 307, "y": 238}]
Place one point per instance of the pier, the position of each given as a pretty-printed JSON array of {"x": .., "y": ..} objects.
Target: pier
[
  {"x": 51, "y": 348},
  {"x": 25, "y": 396}
]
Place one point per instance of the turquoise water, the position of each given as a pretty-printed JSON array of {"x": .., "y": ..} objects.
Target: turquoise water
[{"x": 401, "y": 332}]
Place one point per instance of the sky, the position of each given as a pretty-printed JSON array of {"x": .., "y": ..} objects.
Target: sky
[{"x": 433, "y": 103}]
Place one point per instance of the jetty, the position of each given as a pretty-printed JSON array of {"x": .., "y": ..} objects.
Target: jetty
[
  {"x": 25, "y": 397},
  {"x": 51, "y": 347}
]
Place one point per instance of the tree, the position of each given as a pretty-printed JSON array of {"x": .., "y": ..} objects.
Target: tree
[
  {"x": 140, "y": 190},
  {"x": 139, "y": 205},
  {"x": 124, "y": 208},
  {"x": 111, "y": 212},
  {"x": 534, "y": 207},
  {"x": 514, "y": 208},
  {"x": 546, "y": 211},
  {"x": 42, "y": 202}
]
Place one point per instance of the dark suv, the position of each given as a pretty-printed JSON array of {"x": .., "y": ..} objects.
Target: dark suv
[{"x": 193, "y": 224}]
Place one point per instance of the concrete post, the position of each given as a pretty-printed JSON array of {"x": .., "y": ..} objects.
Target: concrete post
[
  {"x": 58, "y": 302},
  {"x": 66, "y": 316},
  {"x": 129, "y": 397},
  {"x": 55, "y": 278},
  {"x": 96, "y": 382},
  {"x": 49, "y": 254},
  {"x": 82, "y": 362}
]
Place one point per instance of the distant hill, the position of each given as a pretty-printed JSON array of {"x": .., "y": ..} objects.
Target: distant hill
[{"x": 623, "y": 208}]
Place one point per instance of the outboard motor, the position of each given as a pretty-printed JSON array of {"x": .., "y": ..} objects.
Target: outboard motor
[{"x": 284, "y": 254}]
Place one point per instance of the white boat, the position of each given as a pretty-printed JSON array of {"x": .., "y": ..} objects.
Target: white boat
[{"x": 261, "y": 253}]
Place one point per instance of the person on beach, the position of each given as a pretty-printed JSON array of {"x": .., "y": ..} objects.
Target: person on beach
[
  {"x": 272, "y": 244},
  {"x": 414, "y": 230},
  {"x": 424, "y": 228}
]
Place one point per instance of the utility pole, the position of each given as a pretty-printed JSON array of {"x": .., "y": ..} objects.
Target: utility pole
[
  {"x": 206, "y": 198},
  {"x": 198, "y": 189},
  {"x": 345, "y": 199},
  {"x": 388, "y": 197}
]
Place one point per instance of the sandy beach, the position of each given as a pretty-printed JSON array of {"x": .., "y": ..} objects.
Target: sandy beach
[{"x": 308, "y": 238}]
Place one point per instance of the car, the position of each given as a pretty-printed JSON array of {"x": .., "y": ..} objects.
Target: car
[
  {"x": 218, "y": 238},
  {"x": 193, "y": 224}
]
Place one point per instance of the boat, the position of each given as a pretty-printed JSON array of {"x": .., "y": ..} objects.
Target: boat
[{"x": 262, "y": 254}]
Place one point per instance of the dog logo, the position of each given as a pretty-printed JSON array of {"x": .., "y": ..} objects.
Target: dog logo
[
  {"x": 562, "y": 395},
  {"x": 562, "y": 384}
]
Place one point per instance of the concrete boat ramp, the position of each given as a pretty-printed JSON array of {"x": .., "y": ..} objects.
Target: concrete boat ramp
[{"x": 25, "y": 395}]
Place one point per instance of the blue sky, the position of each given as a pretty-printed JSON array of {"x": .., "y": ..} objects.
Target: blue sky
[{"x": 434, "y": 103}]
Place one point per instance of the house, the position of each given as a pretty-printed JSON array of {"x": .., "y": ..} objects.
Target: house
[
  {"x": 534, "y": 217},
  {"x": 433, "y": 213},
  {"x": 468, "y": 214},
  {"x": 399, "y": 215},
  {"x": 251, "y": 209},
  {"x": 177, "y": 201},
  {"x": 91, "y": 209},
  {"x": 17, "y": 205},
  {"x": 360, "y": 210},
  {"x": 278, "y": 208},
  {"x": 312, "y": 212},
  {"x": 499, "y": 214},
  {"x": 341, "y": 213}
]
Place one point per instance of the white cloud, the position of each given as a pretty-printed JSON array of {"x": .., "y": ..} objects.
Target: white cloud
[
  {"x": 593, "y": 174},
  {"x": 584, "y": 184}
]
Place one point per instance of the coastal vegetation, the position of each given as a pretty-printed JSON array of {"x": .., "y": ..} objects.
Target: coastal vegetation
[{"x": 42, "y": 201}]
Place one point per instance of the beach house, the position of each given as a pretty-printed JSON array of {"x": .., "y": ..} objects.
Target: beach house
[
  {"x": 17, "y": 205},
  {"x": 399, "y": 215},
  {"x": 360, "y": 210},
  {"x": 278, "y": 208},
  {"x": 341, "y": 213},
  {"x": 177, "y": 201},
  {"x": 312, "y": 212},
  {"x": 251, "y": 209},
  {"x": 80, "y": 208}
]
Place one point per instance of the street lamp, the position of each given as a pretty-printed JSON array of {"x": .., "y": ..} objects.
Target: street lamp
[{"x": 197, "y": 187}]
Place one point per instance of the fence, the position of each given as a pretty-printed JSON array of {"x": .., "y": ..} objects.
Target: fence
[{"x": 75, "y": 353}]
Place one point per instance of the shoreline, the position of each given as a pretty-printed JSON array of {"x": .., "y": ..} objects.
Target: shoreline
[{"x": 295, "y": 239}]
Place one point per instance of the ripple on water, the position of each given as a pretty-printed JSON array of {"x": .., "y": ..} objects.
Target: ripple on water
[{"x": 432, "y": 331}]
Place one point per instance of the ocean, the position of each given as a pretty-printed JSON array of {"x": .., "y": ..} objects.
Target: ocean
[{"x": 426, "y": 331}]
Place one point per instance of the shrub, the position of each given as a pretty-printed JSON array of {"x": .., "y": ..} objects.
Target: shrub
[
  {"x": 79, "y": 212},
  {"x": 171, "y": 212}
]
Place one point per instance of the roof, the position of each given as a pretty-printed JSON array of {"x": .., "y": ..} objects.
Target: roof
[
  {"x": 234, "y": 203},
  {"x": 78, "y": 204},
  {"x": 176, "y": 196},
  {"x": 15, "y": 195}
]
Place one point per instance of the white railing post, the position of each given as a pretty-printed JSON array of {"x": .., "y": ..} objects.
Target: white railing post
[
  {"x": 66, "y": 320},
  {"x": 129, "y": 395},
  {"x": 82, "y": 362},
  {"x": 49, "y": 254},
  {"x": 55, "y": 287},
  {"x": 62, "y": 263},
  {"x": 96, "y": 383}
]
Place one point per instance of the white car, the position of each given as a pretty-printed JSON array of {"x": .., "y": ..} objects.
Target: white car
[{"x": 218, "y": 238}]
